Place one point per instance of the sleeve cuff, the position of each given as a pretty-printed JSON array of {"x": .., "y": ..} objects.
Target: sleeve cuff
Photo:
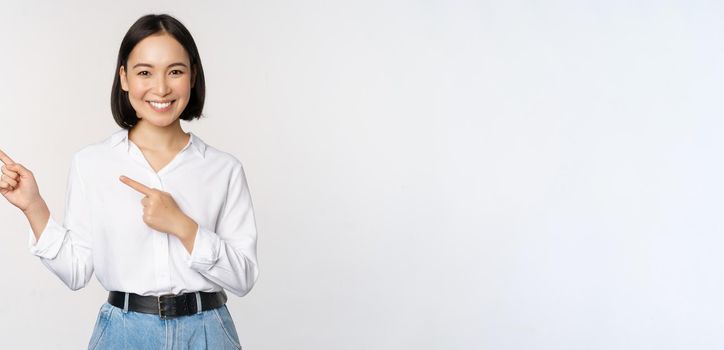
[
  {"x": 205, "y": 253},
  {"x": 50, "y": 242}
]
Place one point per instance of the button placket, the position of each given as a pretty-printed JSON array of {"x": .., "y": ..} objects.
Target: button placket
[
  {"x": 160, "y": 243},
  {"x": 161, "y": 240}
]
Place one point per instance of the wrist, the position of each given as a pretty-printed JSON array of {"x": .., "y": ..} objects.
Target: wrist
[
  {"x": 187, "y": 228},
  {"x": 36, "y": 206}
]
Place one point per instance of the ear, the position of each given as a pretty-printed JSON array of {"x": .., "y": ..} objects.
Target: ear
[{"x": 124, "y": 79}]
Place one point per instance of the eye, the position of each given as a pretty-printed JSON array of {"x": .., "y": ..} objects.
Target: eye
[
  {"x": 177, "y": 72},
  {"x": 144, "y": 73}
]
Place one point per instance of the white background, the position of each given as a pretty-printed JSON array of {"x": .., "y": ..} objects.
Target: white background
[{"x": 426, "y": 174}]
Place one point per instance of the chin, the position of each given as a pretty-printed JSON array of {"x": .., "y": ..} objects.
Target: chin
[
  {"x": 160, "y": 121},
  {"x": 163, "y": 123}
]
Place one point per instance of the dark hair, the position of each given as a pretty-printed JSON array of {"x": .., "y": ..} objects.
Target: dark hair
[{"x": 148, "y": 25}]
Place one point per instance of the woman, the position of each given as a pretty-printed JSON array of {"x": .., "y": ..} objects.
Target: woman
[{"x": 165, "y": 221}]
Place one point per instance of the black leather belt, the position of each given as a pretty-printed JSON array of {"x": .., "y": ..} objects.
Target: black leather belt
[{"x": 170, "y": 305}]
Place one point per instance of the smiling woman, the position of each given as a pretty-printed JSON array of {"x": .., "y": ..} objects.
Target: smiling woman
[
  {"x": 166, "y": 250},
  {"x": 158, "y": 70},
  {"x": 154, "y": 86}
]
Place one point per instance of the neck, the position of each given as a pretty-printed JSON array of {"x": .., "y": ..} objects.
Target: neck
[{"x": 148, "y": 136}]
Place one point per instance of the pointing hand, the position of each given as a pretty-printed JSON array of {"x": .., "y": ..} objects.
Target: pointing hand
[
  {"x": 17, "y": 184},
  {"x": 160, "y": 211}
]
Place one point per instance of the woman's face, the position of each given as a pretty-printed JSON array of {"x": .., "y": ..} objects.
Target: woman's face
[{"x": 158, "y": 80}]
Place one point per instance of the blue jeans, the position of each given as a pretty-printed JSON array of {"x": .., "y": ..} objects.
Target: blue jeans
[{"x": 210, "y": 329}]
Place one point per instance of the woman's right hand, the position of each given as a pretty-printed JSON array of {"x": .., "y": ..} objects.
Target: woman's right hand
[{"x": 17, "y": 184}]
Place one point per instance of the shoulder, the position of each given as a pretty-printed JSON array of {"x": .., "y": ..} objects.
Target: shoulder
[
  {"x": 99, "y": 150},
  {"x": 222, "y": 162},
  {"x": 215, "y": 156}
]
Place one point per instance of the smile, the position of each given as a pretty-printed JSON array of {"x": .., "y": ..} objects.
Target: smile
[{"x": 161, "y": 106}]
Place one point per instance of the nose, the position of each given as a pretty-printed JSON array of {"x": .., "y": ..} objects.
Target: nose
[{"x": 162, "y": 88}]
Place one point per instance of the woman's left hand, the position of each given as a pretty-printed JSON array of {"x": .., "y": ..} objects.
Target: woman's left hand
[{"x": 161, "y": 213}]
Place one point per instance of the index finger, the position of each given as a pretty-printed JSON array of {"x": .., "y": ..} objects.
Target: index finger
[
  {"x": 136, "y": 185},
  {"x": 5, "y": 159}
]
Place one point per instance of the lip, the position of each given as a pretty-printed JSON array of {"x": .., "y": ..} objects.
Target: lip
[{"x": 162, "y": 109}]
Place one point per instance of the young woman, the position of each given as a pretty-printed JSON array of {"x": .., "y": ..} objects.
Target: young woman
[{"x": 164, "y": 220}]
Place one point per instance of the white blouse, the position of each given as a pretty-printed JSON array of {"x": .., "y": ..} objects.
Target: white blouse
[{"x": 103, "y": 230}]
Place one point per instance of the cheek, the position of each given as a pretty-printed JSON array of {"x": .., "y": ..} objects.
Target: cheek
[
  {"x": 136, "y": 89},
  {"x": 182, "y": 87}
]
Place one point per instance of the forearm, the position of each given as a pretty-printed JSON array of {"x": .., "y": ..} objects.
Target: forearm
[
  {"x": 234, "y": 270},
  {"x": 38, "y": 215},
  {"x": 186, "y": 232},
  {"x": 229, "y": 263}
]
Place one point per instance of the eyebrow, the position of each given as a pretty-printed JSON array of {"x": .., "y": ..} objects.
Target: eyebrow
[{"x": 151, "y": 66}]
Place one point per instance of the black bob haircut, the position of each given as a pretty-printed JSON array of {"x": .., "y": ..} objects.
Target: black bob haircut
[{"x": 148, "y": 25}]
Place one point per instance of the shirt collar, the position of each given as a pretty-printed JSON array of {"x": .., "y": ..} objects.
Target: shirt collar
[{"x": 120, "y": 137}]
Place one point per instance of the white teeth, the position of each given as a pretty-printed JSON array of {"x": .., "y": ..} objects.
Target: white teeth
[{"x": 159, "y": 105}]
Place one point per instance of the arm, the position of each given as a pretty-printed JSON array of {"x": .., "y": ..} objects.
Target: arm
[
  {"x": 64, "y": 249},
  {"x": 228, "y": 256}
]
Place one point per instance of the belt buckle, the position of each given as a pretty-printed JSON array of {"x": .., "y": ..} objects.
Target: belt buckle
[{"x": 160, "y": 308}]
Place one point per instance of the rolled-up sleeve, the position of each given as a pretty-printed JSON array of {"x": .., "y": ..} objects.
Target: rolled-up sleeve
[
  {"x": 66, "y": 249},
  {"x": 228, "y": 256}
]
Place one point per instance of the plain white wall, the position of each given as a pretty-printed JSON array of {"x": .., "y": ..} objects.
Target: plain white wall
[{"x": 426, "y": 174}]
